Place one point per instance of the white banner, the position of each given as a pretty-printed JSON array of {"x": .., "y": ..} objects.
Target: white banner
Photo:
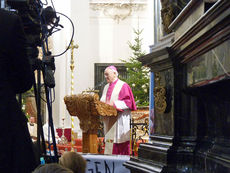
[{"x": 106, "y": 163}]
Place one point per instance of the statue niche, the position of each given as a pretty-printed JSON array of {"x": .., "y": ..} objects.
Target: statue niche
[
  {"x": 169, "y": 11},
  {"x": 167, "y": 15}
]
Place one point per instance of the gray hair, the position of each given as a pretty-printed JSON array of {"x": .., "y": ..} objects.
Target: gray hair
[{"x": 73, "y": 161}]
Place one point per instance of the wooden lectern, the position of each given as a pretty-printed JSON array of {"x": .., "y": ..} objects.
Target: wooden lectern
[{"x": 88, "y": 108}]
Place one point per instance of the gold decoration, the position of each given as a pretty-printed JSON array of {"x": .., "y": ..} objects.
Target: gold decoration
[
  {"x": 139, "y": 129},
  {"x": 72, "y": 47},
  {"x": 167, "y": 14},
  {"x": 159, "y": 94}
]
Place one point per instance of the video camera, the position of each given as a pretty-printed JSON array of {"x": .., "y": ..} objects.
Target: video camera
[
  {"x": 38, "y": 25},
  {"x": 36, "y": 19}
]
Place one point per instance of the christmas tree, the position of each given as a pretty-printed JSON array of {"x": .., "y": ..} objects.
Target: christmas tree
[{"x": 137, "y": 75}]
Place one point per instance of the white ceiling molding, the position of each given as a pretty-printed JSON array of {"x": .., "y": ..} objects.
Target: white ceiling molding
[{"x": 118, "y": 9}]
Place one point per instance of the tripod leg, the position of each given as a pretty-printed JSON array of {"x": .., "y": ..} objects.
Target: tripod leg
[
  {"x": 49, "y": 107},
  {"x": 40, "y": 134}
]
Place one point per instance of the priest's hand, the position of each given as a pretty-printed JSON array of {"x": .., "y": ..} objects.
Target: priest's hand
[{"x": 119, "y": 110}]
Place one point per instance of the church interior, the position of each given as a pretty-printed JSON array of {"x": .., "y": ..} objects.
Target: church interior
[{"x": 173, "y": 57}]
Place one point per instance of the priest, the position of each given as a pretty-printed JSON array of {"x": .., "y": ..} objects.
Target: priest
[
  {"x": 117, "y": 129},
  {"x": 32, "y": 127}
]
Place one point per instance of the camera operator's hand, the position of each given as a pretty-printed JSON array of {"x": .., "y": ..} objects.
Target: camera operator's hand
[{"x": 36, "y": 64}]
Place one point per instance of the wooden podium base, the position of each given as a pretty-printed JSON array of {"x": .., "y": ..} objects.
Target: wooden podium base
[{"x": 89, "y": 140}]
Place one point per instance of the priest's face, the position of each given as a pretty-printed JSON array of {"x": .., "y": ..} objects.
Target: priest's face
[
  {"x": 110, "y": 75},
  {"x": 32, "y": 119}
]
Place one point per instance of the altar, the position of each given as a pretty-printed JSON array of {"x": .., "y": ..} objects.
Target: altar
[{"x": 106, "y": 163}]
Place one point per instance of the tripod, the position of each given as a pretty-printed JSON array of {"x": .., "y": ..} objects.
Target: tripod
[{"x": 46, "y": 70}]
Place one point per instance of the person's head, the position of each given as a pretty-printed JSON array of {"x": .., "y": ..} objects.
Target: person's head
[
  {"x": 52, "y": 168},
  {"x": 111, "y": 74},
  {"x": 32, "y": 119},
  {"x": 73, "y": 161}
]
